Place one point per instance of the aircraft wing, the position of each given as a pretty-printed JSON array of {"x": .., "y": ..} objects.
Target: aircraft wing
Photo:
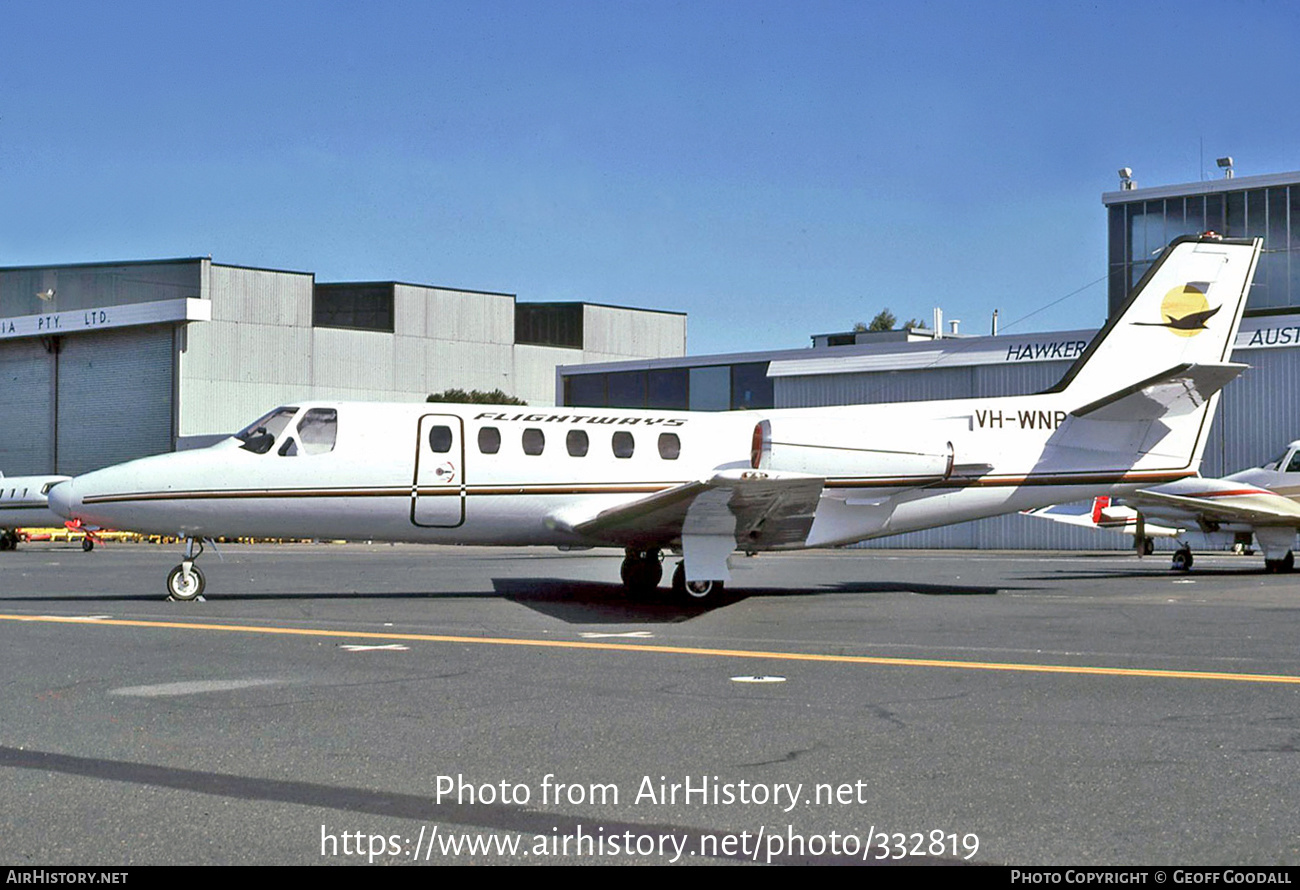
[
  {"x": 750, "y": 506},
  {"x": 1249, "y": 505}
]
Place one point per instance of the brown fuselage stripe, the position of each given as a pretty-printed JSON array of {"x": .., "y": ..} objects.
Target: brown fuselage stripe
[{"x": 931, "y": 483}]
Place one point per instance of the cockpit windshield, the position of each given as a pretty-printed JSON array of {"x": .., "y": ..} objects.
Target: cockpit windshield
[{"x": 260, "y": 435}]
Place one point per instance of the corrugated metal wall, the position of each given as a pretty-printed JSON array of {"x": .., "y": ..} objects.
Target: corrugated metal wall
[
  {"x": 115, "y": 397},
  {"x": 26, "y": 407},
  {"x": 1257, "y": 416}
]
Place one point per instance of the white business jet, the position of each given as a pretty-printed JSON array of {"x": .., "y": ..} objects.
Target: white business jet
[
  {"x": 23, "y": 504},
  {"x": 1263, "y": 502},
  {"x": 1133, "y": 411}
]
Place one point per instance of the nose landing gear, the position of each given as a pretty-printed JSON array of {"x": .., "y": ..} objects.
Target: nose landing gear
[{"x": 185, "y": 582}]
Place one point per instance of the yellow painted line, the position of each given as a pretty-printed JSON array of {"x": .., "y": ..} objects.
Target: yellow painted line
[{"x": 674, "y": 650}]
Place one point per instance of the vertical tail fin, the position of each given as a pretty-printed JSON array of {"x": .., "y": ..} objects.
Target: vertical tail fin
[
  {"x": 1174, "y": 337},
  {"x": 1185, "y": 311}
]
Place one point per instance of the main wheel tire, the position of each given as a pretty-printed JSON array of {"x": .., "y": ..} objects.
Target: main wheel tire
[
  {"x": 1285, "y": 564},
  {"x": 1182, "y": 561},
  {"x": 641, "y": 574},
  {"x": 184, "y": 587},
  {"x": 694, "y": 591},
  {"x": 1148, "y": 546},
  {"x": 6, "y": 542}
]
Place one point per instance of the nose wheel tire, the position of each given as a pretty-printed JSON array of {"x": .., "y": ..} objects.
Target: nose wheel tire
[
  {"x": 185, "y": 585},
  {"x": 1182, "y": 561}
]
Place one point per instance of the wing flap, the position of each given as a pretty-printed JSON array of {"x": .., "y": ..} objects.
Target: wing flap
[{"x": 757, "y": 508}]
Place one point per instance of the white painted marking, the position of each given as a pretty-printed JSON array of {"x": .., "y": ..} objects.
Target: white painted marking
[
  {"x": 638, "y": 634},
  {"x": 74, "y": 617},
  {"x": 357, "y": 647},
  {"x": 1187, "y": 581},
  {"x": 189, "y": 687},
  {"x": 757, "y": 679}
]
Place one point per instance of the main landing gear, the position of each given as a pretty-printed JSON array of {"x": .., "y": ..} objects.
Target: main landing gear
[
  {"x": 8, "y": 540},
  {"x": 1285, "y": 564},
  {"x": 185, "y": 582},
  {"x": 694, "y": 591},
  {"x": 641, "y": 571}
]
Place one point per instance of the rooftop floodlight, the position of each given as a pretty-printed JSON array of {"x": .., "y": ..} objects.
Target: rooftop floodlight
[
  {"x": 1126, "y": 182},
  {"x": 1225, "y": 164}
]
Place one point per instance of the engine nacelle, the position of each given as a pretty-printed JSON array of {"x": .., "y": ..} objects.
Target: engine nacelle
[{"x": 848, "y": 451}]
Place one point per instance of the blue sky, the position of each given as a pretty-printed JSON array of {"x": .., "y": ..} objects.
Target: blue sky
[{"x": 772, "y": 169}]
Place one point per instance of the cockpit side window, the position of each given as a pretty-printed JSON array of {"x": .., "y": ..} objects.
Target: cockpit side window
[
  {"x": 260, "y": 435},
  {"x": 318, "y": 430},
  {"x": 1276, "y": 463},
  {"x": 1293, "y": 465}
]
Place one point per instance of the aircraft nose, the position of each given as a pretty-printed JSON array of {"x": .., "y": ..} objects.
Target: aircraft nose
[{"x": 62, "y": 500}]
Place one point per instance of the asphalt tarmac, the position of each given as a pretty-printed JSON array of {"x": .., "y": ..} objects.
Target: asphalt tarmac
[{"x": 405, "y": 704}]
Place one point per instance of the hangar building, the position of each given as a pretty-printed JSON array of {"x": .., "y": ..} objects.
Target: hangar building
[
  {"x": 1256, "y": 417},
  {"x": 104, "y": 362}
]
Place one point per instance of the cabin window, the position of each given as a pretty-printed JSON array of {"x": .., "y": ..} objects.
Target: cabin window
[
  {"x": 670, "y": 447},
  {"x": 534, "y": 441},
  {"x": 1294, "y": 465},
  {"x": 440, "y": 439},
  {"x": 318, "y": 430},
  {"x": 260, "y": 435},
  {"x": 623, "y": 444},
  {"x": 577, "y": 443},
  {"x": 489, "y": 440}
]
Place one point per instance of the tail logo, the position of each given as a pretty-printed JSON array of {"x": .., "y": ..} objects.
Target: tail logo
[{"x": 1185, "y": 310}]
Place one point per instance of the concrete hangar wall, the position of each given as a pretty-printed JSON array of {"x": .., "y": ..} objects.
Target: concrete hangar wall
[{"x": 105, "y": 362}]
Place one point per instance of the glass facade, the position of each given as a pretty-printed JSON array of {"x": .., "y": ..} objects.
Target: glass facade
[
  {"x": 707, "y": 388},
  {"x": 1139, "y": 229}
]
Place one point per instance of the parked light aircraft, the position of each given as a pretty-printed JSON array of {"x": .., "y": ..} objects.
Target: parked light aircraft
[
  {"x": 23, "y": 505},
  {"x": 1262, "y": 501},
  {"x": 1133, "y": 411}
]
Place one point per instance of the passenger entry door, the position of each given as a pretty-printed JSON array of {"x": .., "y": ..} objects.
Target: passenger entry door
[{"x": 438, "y": 490}]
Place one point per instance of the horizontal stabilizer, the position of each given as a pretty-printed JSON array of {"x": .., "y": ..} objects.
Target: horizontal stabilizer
[{"x": 1180, "y": 390}]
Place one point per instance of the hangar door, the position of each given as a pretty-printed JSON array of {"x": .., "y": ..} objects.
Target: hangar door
[
  {"x": 115, "y": 397},
  {"x": 26, "y": 408}
]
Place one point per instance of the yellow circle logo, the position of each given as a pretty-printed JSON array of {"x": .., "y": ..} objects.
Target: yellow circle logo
[{"x": 1185, "y": 310}]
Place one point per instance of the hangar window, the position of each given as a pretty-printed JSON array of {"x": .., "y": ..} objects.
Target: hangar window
[
  {"x": 318, "y": 430},
  {"x": 363, "y": 306},
  {"x": 489, "y": 440},
  {"x": 260, "y": 435},
  {"x": 670, "y": 447},
  {"x": 577, "y": 443},
  {"x": 534, "y": 441},
  {"x": 623, "y": 444},
  {"x": 440, "y": 439}
]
